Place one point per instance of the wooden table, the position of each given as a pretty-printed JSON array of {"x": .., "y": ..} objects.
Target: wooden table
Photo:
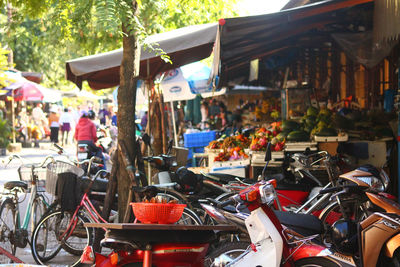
[
  {"x": 180, "y": 227},
  {"x": 146, "y": 236}
]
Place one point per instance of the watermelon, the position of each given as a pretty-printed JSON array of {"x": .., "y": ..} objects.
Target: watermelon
[
  {"x": 312, "y": 111},
  {"x": 298, "y": 136},
  {"x": 311, "y": 120},
  {"x": 290, "y": 125}
]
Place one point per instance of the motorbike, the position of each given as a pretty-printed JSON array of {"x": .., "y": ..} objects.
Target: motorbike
[
  {"x": 277, "y": 238},
  {"x": 284, "y": 239}
]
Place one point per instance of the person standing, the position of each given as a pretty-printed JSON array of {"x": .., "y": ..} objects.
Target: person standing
[
  {"x": 143, "y": 121},
  {"x": 104, "y": 115},
  {"x": 54, "y": 124},
  {"x": 66, "y": 122},
  {"x": 37, "y": 114},
  {"x": 204, "y": 115}
]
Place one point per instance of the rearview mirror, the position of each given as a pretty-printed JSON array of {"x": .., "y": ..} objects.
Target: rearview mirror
[{"x": 268, "y": 156}]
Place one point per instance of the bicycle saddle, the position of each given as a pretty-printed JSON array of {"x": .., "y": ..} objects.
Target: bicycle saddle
[{"x": 13, "y": 184}]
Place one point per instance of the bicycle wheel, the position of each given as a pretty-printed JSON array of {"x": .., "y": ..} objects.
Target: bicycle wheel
[
  {"x": 38, "y": 210},
  {"x": 189, "y": 217},
  {"x": 7, "y": 228},
  {"x": 47, "y": 241}
]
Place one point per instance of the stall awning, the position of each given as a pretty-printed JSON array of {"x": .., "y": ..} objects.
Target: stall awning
[
  {"x": 240, "y": 40},
  {"x": 184, "y": 45}
]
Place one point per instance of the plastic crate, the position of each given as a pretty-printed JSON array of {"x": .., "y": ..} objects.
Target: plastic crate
[
  {"x": 195, "y": 150},
  {"x": 201, "y": 139}
]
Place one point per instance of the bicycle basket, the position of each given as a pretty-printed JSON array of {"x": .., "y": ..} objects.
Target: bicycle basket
[
  {"x": 25, "y": 174},
  {"x": 53, "y": 169}
]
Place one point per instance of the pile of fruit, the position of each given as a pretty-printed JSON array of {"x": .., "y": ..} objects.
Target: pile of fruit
[
  {"x": 262, "y": 136},
  {"x": 315, "y": 122},
  {"x": 232, "y": 148}
]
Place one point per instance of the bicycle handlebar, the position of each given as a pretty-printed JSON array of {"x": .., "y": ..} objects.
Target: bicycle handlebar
[{"x": 33, "y": 165}]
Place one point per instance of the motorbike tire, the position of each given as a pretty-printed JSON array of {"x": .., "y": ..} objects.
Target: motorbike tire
[
  {"x": 332, "y": 213},
  {"x": 315, "y": 262},
  {"x": 229, "y": 249}
]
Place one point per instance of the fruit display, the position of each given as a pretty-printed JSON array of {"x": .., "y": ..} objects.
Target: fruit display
[
  {"x": 268, "y": 110},
  {"x": 232, "y": 148},
  {"x": 263, "y": 135}
]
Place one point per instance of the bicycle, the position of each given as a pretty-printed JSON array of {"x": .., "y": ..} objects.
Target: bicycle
[
  {"x": 65, "y": 230},
  {"x": 13, "y": 234}
]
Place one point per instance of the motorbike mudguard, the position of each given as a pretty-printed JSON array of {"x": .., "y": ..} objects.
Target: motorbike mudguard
[
  {"x": 316, "y": 251},
  {"x": 392, "y": 245}
]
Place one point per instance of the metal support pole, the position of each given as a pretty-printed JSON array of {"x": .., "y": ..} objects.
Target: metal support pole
[
  {"x": 398, "y": 138},
  {"x": 12, "y": 116},
  {"x": 173, "y": 123}
]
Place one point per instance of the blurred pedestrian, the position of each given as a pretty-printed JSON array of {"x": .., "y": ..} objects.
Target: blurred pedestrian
[
  {"x": 204, "y": 115},
  {"x": 54, "y": 124},
  {"x": 143, "y": 121},
  {"x": 104, "y": 115},
  {"x": 66, "y": 121}
]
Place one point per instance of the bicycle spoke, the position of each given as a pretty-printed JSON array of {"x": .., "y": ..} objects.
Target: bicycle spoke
[{"x": 7, "y": 228}]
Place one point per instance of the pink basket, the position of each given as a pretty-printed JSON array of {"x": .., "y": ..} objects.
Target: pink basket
[{"x": 161, "y": 213}]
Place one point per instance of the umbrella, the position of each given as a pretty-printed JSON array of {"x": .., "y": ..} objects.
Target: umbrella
[
  {"x": 50, "y": 95},
  {"x": 25, "y": 91}
]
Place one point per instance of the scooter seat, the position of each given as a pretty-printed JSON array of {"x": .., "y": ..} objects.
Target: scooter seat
[
  {"x": 226, "y": 178},
  {"x": 304, "y": 224},
  {"x": 99, "y": 185},
  {"x": 12, "y": 184},
  {"x": 283, "y": 185}
]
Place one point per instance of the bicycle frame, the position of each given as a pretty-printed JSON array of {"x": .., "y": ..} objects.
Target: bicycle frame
[
  {"x": 93, "y": 213},
  {"x": 28, "y": 213}
]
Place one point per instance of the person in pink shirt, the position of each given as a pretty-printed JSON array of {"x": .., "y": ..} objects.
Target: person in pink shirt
[{"x": 85, "y": 133}]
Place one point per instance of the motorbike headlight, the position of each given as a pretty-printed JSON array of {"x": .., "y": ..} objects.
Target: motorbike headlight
[
  {"x": 385, "y": 179},
  {"x": 267, "y": 193},
  {"x": 374, "y": 182}
]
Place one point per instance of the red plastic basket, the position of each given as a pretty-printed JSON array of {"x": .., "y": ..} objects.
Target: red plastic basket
[{"x": 161, "y": 213}]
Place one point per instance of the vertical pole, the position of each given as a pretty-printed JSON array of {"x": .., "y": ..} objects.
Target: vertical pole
[
  {"x": 12, "y": 115},
  {"x": 173, "y": 123},
  {"x": 148, "y": 118},
  {"x": 398, "y": 140},
  {"x": 284, "y": 87}
]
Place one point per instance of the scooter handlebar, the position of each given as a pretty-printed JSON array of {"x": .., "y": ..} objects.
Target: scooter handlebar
[{"x": 222, "y": 204}]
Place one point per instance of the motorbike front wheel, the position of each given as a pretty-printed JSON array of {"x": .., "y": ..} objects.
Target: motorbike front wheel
[
  {"x": 315, "y": 262},
  {"x": 225, "y": 253}
]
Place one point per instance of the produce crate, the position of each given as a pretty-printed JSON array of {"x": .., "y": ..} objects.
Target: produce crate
[
  {"x": 234, "y": 167},
  {"x": 201, "y": 139},
  {"x": 339, "y": 138},
  {"x": 212, "y": 153},
  {"x": 257, "y": 157},
  {"x": 300, "y": 146}
]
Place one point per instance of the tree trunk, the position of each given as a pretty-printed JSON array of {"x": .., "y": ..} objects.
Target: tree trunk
[{"x": 126, "y": 109}]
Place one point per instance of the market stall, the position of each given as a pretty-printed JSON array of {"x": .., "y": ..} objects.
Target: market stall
[{"x": 332, "y": 95}]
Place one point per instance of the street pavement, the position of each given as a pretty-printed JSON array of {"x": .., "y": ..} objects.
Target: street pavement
[{"x": 10, "y": 173}]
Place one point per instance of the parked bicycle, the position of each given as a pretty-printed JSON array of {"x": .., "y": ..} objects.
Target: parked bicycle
[
  {"x": 63, "y": 229},
  {"x": 13, "y": 233}
]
